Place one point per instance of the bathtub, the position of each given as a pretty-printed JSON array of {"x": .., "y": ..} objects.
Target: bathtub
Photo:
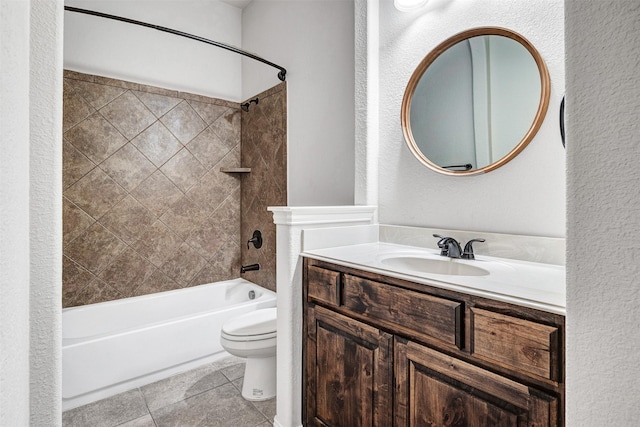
[{"x": 114, "y": 346}]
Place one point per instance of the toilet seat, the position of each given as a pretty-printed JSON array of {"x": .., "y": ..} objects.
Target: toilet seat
[{"x": 256, "y": 325}]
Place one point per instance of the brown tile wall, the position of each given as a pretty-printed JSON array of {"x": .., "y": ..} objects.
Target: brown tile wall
[
  {"x": 264, "y": 150},
  {"x": 145, "y": 206}
]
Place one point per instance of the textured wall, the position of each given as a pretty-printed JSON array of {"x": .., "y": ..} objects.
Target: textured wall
[
  {"x": 14, "y": 214},
  {"x": 367, "y": 98},
  {"x": 30, "y": 212},
  {"x": 526, "y": 196},
  {"x": 264, "y": 150},
  {"x": 146, "y": 207},
  {"x": 45, "y": 217},
  {"x": 603, "y": 213}
]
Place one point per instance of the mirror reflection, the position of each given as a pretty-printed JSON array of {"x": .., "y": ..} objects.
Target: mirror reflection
[{"x": 475, "y": 101}]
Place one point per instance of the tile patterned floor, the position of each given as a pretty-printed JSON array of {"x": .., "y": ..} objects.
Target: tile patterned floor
[{"x": 206, "y": 396}]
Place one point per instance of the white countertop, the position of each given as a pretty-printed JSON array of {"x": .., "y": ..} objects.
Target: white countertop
[{"x": 530, "y": 284}]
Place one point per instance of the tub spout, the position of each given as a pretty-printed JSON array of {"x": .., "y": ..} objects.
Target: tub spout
[{"x": 251, "y": 267}]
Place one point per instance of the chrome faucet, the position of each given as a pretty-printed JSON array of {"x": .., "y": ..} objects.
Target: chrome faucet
[{"x": 451, "y": 248}]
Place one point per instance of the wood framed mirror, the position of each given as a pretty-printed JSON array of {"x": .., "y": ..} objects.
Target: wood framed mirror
[{"x": 475, "y": 101}]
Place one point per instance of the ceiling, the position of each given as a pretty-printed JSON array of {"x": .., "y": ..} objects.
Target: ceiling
[{"x": 238, "y": 3}]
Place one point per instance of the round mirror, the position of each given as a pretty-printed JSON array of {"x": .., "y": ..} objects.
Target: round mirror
[{"x": 475, "y": 101}]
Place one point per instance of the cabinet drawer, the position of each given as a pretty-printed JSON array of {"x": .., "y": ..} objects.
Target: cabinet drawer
[
  {"x": 416, "y": 314},
  {"x": 324, "y": 285},
  {"x": 516, "y": 343}
]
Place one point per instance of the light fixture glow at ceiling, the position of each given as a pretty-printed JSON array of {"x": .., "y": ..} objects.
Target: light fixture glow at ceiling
[{"x": 409, "y": 5}]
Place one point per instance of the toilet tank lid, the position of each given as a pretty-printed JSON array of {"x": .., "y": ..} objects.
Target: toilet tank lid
[{"x": 257, "y": 322}]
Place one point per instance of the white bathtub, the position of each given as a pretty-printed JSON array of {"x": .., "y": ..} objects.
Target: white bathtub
[{"x": 115, "y": 346}]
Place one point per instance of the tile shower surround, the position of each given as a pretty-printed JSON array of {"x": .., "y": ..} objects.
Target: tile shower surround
[
  {"x": 145, "y": 206},
  {"x": 264, "y": 149}
]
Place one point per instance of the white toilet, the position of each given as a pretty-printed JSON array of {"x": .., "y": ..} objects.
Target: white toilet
[{"x": 253, "y": 335}]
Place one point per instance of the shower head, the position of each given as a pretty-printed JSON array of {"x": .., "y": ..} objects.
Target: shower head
[{"x": 245, "y": 106}]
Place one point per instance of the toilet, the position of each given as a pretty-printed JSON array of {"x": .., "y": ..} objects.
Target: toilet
[{"x": 253, "y": 336}]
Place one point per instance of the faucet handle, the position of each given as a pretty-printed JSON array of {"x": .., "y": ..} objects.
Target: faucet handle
[
  {"x": 448, "y": 246},
  {"x": 444, "y": 251},
  {"x": 468, "y": 249},
  {"x": 256, "y": 239}
]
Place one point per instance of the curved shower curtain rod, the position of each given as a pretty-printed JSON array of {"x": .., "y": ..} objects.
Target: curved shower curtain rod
[{"x": 282, "y": 74}]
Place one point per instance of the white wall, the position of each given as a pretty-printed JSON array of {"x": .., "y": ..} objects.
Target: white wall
[
  {"x": 314, "y": 41},
  {"x": 30, "y": 212},
  {"x": 603, "y": 212},
  {"x": 526, "y": 196},
  {"x": 14, "y": 213},
  {"x": 119, "y": 50}
]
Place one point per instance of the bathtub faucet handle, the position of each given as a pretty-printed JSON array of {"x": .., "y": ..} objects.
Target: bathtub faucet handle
[{"x": 256, "y": 239}]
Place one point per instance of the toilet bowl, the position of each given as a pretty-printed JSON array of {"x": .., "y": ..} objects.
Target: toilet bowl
[{"x": 253, "y": 336}]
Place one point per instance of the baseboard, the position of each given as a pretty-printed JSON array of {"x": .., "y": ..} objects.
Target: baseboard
[{"x": 277, "y": 423}]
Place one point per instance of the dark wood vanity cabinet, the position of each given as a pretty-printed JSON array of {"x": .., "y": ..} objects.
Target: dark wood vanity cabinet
[{"x": 380, "y": 351}]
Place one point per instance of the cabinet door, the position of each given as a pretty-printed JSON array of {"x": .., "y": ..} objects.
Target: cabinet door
[
  {"x": 348, "y": 372},
  {"x": 433, "y": 389}
]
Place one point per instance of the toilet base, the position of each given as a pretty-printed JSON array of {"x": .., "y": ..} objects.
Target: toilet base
[{"x": 259, "y": 381}]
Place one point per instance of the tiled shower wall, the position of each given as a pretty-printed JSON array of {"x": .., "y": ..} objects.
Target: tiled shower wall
[
  {"x": 264, "y": 150},
  {"x": 146, "y": 207}
]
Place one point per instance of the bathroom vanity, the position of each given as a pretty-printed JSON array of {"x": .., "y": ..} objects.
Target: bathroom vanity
[{"x": 385, "y": 348}]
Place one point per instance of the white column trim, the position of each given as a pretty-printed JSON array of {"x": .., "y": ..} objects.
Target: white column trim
[
  {"x": 290, "y": 222},
  {"x": 312, "y": 215}
]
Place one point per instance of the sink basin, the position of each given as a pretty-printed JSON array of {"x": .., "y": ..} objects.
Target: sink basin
[{"x": 420, "y": 264}]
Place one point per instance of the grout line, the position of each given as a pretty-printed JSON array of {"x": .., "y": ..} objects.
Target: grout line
[
  {"x": 146, "y": 404},
  {"x": 258, "y": 409}
]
